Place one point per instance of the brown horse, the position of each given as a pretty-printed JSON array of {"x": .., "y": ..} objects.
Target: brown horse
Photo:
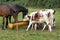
[
  {"x": 6, "y": 11},
  {"x": 16, "y": 8}
]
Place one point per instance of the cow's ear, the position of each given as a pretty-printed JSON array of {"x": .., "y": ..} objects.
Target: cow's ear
[
  {"x": 29, "y": 17},
  {"x": 48, "y": 15}
]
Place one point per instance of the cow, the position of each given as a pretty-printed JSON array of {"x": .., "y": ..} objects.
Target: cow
[
  {"x": 49, "y": 17},
  {"x": 45, "y": 16},
  {"x": 33, "y": 18}
]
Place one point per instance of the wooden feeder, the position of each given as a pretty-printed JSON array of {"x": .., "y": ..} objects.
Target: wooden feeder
[{"x": 17, "y": 24}]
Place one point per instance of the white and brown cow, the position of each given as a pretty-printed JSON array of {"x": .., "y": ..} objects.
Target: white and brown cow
[
  {"x": 33, "y": 18},
  {"x": 51, "y": 15},
  {"x": 45, "y": 16}
]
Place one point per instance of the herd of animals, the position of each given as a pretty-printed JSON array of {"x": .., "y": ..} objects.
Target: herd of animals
[{"x": 43, "y": 16}]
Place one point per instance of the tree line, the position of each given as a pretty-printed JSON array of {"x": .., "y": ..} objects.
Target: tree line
[{"x": 36, "y": 3}]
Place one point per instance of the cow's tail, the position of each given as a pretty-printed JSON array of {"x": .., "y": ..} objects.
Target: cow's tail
[{"x": 54, "y": 12}]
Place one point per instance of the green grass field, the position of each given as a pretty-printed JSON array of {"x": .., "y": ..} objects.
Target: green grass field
[{"x": 9, "y": 34}]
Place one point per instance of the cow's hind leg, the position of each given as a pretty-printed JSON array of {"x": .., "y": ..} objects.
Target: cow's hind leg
[
  {"x": 44, "y": 27},
  {"x": 50, "y": 29}
]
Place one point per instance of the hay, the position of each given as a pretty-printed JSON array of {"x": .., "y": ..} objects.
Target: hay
[
  {"x": 10, "y": 25},
  {"x": 18, "y": 24}
]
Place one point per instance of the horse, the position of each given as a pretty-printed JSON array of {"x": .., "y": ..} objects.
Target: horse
[
  {"x": 6, "y": 11},
  {"x": 18, "y": 9}
]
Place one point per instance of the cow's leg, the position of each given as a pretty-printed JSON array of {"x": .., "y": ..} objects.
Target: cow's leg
[
  {"x": 54, "y": 22},
  {"x": 6, "y": 22},
  {"x": 32, "y": 26},
  {"x": 28, "y": 26},
  {"x": 3, "y": 23},
  {"x": 50, "y": 28},
  {"x": 44, "y": 27},
  {"x": 35, "y": 26},
  {"x": 51, "y": 23}
]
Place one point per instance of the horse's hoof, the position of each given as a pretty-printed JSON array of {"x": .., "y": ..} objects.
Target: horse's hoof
[
  {"x": 3, "y": 29},
  {"x": 6, "y": 27}
]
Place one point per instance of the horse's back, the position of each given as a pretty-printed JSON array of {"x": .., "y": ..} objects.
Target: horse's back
[{"x": 4, "y": 10}]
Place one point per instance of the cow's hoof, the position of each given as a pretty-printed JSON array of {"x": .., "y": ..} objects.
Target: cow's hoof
[{"x": 26, "y": 30}]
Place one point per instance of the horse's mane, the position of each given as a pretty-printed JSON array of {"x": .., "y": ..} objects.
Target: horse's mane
[
  {"x": 18, "y": 6},
  {"x": 21, "y": 8}
]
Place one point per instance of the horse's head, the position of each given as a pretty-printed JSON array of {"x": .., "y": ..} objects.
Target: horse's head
[
  {"x": 21, "y": 9},
  {"x": 25, "y": 12}
]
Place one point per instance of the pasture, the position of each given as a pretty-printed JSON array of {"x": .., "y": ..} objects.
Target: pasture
[{"x": 9, "y": 34}]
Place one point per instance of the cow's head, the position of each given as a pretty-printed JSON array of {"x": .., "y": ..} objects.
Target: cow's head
[{"x": 26, "y": 18}]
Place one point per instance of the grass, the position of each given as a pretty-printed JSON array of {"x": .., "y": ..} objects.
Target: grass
[{"x": 10, "y": 34}]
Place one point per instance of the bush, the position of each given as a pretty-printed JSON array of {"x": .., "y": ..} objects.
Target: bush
[{"x": 34, "y": 3}]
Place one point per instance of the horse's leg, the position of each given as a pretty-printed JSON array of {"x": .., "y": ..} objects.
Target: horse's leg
[
  {"x": 10, "y": 19},
  {"x": 6, "y": 22},
  {"x": 15, "y": 18},
  {"x": 3, "y": 23}
]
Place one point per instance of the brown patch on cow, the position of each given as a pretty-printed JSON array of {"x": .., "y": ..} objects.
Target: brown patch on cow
[
  {"x": 48, "y": 15},
  {"x": 37, "y": 16},
  {"x": 29, "y": 17},
  {"x": 32, "y": 18}
]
